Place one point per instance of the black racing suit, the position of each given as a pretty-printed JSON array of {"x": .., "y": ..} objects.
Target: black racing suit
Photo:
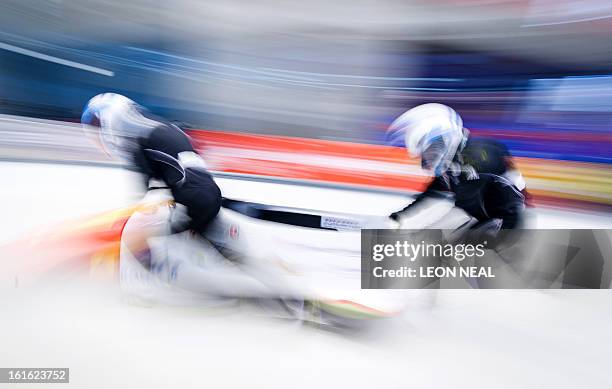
[
  {"x": 483, "y": 192},
  {"x": 198, "y": 192}
]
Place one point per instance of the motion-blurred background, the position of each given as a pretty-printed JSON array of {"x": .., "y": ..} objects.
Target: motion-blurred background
[
  {"x": 298, "y": 91},
  {"x": 535, "y": 74}
]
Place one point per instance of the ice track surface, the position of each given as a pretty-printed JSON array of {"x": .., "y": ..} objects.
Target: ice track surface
[{"x": 460, "y": 339}]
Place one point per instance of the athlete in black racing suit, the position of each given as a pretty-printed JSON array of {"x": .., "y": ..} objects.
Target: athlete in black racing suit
[
  {"x": 158, "y": 150},
  {"x": 477, "y": 174},
  {"x": 483, "y": 182}
]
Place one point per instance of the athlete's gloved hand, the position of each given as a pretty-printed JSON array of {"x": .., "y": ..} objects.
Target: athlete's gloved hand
[{"x": 395, "y": 216}]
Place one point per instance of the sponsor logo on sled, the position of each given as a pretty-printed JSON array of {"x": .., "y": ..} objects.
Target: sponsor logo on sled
[{"x": 339, "y": 223}]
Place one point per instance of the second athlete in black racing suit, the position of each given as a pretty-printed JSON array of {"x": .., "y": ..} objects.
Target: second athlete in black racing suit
[{"x": 482, "y": 183}]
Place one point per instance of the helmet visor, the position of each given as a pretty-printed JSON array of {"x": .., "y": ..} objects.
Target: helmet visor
[{"x": 432, "y": 158}]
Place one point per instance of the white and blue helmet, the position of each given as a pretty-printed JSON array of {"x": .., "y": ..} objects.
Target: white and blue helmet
[
  {"x": 115, "y": 121},
  {"x": 431, "y": 131}
]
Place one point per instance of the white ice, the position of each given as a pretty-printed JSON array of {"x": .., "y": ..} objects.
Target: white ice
[{"x": 460, "y": 339}]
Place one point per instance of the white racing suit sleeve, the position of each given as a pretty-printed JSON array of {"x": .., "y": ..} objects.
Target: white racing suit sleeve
[{"x": 427, "y": 212}]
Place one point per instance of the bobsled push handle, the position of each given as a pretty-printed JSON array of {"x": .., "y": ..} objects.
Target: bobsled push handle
[{"x": 174, "y": 173}]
